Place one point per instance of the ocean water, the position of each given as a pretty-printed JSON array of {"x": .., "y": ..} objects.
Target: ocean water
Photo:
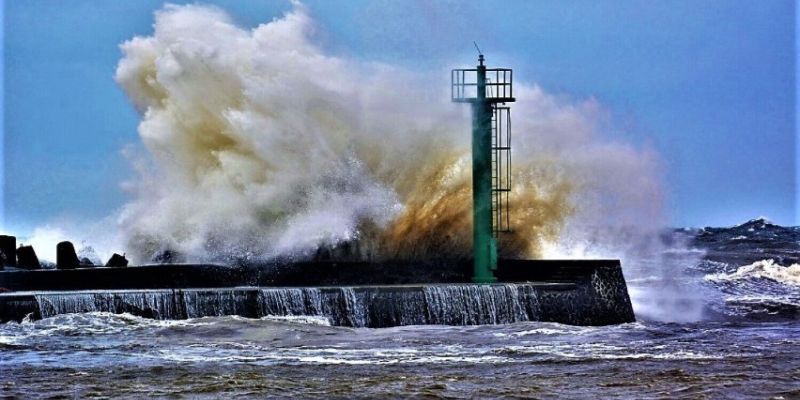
[{"x": 735, "y": 334}]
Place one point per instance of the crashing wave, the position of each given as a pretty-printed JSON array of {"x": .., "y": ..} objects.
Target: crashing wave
[
  {"x": 258, "y": 143},
  {"x": 764, "y": 269}
]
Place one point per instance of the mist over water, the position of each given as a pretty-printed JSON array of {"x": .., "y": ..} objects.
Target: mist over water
[{"x": 260, "y": 144}]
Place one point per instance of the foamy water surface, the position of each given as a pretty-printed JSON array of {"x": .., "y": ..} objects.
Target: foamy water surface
[{"x": 125, "y": 356}]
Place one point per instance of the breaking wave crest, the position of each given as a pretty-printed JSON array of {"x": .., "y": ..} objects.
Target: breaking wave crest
[{"x": 764, "y": 269}]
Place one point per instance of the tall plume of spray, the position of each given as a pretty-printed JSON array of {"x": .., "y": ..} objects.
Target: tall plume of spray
[{"x": 261, "y": 145}]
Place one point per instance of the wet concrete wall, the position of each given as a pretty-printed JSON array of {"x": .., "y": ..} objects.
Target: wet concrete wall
[{"x": 597, "y": 298}]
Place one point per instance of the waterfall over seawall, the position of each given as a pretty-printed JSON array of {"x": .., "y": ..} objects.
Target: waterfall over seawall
[
  {"x": 356, "y": 294},
  {"x": 344, "y": 306},
  {"x": 361, "y": 306}
]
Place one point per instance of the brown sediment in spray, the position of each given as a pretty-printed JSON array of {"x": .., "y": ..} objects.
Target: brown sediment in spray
[
  {"x": 262, "y": 146},
  {"x": 437, "y": 219},
  {"x": 536, "y": 217}
]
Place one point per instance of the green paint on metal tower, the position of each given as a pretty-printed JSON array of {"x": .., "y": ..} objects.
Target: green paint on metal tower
[{"x": 485, "y": 89}]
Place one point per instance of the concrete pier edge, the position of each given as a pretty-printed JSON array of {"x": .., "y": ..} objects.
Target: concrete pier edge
[{"x": 578, "y": 292}]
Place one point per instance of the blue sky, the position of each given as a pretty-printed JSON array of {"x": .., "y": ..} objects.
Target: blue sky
[{"x": 710, "y": 84}]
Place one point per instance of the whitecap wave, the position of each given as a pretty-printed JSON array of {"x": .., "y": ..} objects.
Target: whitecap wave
[{"x": 764, "y": 269}]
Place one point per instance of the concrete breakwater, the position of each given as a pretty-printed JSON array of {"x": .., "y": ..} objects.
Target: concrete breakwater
[
  {"x": 361, "y": 306},
  {"x": 578, "y": 293}
]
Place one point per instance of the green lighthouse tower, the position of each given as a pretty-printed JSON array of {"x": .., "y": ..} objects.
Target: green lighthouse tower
[{"x": 487, "y": 90}]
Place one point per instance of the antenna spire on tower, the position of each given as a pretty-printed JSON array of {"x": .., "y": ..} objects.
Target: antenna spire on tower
[{"x": 480, "y": 53}]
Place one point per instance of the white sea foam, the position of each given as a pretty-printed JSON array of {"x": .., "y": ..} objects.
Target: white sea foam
[
  {"x": 603, "y": 351},
  {"x": 786, "y": 300},
  {"x": 764, "y": 269},
  {"x": 299, "y": 319},
  {"x": 329, "y": 355}
]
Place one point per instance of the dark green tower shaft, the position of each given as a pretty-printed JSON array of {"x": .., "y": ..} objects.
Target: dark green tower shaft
[
  {"x": 485, "y": 248},
  {"x": 486, "y": 88}
]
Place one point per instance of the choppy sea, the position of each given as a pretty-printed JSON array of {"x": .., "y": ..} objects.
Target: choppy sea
[{"x": 717, "y": 318}]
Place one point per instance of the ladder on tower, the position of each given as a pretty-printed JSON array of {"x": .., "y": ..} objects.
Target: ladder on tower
[{"x": 501, "y": 168}]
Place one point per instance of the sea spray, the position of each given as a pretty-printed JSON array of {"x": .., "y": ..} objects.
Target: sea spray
[
  {"x": 658, "y": 265},
  {"x": 259, "y": 144}
]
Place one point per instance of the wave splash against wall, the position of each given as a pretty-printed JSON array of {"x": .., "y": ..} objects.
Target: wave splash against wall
[{"x": 259, "y": 144}]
